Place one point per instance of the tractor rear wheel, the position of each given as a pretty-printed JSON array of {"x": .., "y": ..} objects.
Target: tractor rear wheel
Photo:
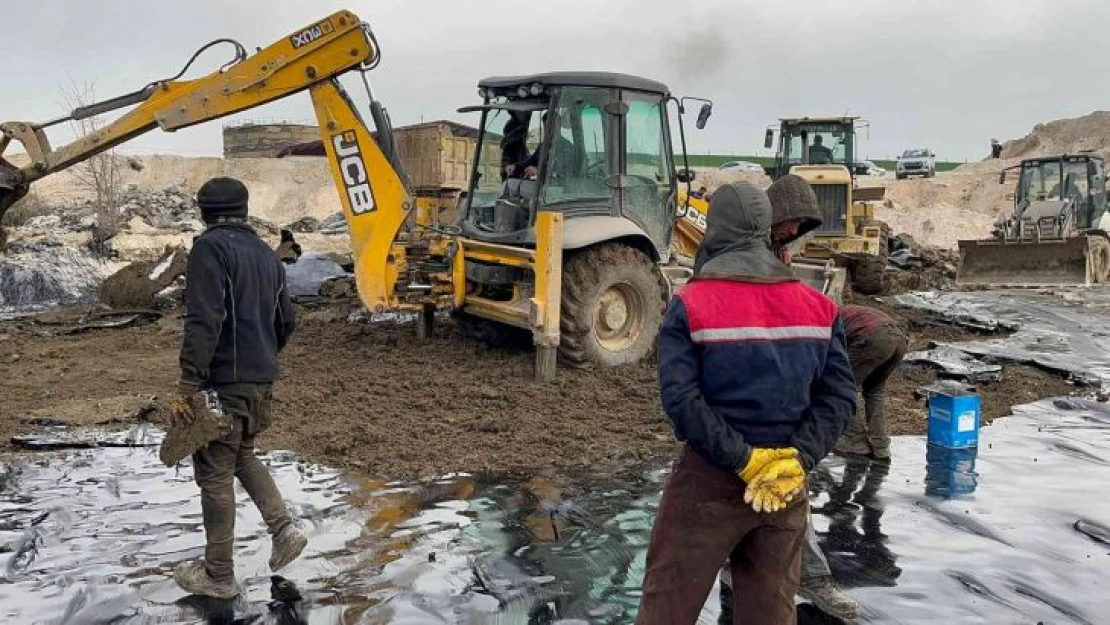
[
  {"x": 613, "y": 302},
  {"x": 868, "y": 275}
]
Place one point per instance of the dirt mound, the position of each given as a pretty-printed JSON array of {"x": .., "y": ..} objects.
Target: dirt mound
[
  {"x": 1089, "y": 132},
  {"x": 138, "y": 284},
  {"x": 712, "y": 179},
  {"x": 940, "y": 211},
  {"x": 938, "y": 225},
  {"x": 914, "y": 267},
  {"x": 282, "y": 190}
]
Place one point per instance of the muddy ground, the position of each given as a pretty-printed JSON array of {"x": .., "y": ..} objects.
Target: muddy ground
[{"x": 372, "y": 398}]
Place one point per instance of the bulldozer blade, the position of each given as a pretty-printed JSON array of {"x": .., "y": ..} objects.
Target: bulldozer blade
[{"x": 990, "y": 263}]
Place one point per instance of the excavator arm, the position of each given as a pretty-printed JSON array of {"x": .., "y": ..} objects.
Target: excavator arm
[{"x": 372, "y": 187}]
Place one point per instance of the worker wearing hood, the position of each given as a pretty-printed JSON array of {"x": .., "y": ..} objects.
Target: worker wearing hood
[
  {"x": 794, "y": 214},
  {"x": 755, "y": 380}
]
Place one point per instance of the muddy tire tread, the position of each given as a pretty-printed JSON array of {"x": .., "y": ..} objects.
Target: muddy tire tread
[{"x": 583, "y": 273}]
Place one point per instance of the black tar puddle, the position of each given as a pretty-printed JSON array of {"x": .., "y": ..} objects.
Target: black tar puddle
[{"x": 1018, "y": 531}]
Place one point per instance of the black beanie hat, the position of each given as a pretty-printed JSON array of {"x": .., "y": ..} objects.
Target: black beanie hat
[{"x": 223, "y": 199}]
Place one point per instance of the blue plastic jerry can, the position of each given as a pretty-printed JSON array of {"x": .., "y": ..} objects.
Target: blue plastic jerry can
[{"x": 954, "y": 418}]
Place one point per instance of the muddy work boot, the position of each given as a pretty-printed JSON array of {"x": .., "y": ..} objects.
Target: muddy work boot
[
  {"x": 194, "y": 579},
  {"x": 288, "y": 544},
  {"x": 824, "y": 594}
]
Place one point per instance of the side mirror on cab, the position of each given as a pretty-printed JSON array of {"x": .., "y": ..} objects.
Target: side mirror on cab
[
  {"x": 685, "y": 175},
  {"x": 703, "y": 115},
  {"x": 769, "y": 139}
]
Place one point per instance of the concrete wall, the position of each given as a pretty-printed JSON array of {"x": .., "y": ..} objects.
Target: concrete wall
[{"x": 265, "y": 140}]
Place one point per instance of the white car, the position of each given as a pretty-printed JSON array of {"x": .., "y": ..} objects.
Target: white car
[
  {"x": 917, "y": 162},
  {"x": 867, "y": 168},
  {"x": 741, "y": 166}
]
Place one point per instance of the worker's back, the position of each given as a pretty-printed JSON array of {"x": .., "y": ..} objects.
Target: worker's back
[
  {"x": 762, "y": 346},
  {"x": 236, "y": 306}
]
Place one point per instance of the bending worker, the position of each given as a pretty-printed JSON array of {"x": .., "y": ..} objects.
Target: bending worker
[
  {"x": 755, "y": 379},
  {"x": 876, "y": 346}
]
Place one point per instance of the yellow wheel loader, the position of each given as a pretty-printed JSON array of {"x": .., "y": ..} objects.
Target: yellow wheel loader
[
  {"x": 821, "y": 150},
  {"x": 690, "y": 231},
  {"x": 572, "y": 243},
  {"x": 1057, "y": 234}
]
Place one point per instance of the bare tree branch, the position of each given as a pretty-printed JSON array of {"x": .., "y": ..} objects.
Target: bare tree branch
[{"x": 100, "y": 175}]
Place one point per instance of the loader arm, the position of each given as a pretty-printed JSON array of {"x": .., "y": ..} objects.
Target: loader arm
[{"x": 309, "y": 59}]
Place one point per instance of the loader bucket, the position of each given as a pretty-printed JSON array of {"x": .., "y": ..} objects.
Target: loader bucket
[
  {"x": 12, "y": 190},
  {"x": 991, "y": 263},
  {"x": 8, "y": 196}
]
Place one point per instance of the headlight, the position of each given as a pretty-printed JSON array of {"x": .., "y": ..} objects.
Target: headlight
[
  {"x": 536, "y": 89},
  {"x": 522, "y": 91},
  {"x": 482, "y": 93}
]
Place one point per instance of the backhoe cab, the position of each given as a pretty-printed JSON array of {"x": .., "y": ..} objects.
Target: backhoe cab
[
  {"x": 1057, "y": 233},
  {"x": 592, "y": 150},
  {"x": 822, "y": 151}
]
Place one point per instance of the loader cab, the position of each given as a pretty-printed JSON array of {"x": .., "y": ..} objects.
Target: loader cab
[
  {"x": 813, "y": 141},
  {"x": 1080, "y": 179},
  {"x": 821, "y": 150},
  {"x": 585, "y": 144}
]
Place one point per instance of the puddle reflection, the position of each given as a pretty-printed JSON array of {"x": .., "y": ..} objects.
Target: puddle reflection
[{"x": 91, "y": 535}]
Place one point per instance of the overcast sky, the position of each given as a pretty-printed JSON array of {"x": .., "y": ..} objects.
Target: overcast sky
[{"x": 945, "y": 74}]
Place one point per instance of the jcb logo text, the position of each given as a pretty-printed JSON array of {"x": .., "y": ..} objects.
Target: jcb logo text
[
  {"x": 355, "y": 176},
  {"x": 693, "y": 216}
]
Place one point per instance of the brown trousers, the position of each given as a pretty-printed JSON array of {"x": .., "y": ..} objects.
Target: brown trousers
[
  {"x": 704, "y": 521},
  {"x": 217, "y": 464},
  {"x": 873, "y": 360}
]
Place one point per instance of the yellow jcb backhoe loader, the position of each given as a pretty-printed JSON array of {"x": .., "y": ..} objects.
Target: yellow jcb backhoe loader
[
  {"x": 1056, "y": 235},
  {"x": 577, "y": 251}
]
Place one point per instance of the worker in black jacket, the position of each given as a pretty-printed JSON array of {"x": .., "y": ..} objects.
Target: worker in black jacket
[{"x": 238, "y": 317}]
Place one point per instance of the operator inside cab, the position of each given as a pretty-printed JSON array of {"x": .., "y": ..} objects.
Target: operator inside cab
[
  {"x": 517, "y": 163},
  {"x": 819, "y": 154},
  {"x": 514, "y": 151}
]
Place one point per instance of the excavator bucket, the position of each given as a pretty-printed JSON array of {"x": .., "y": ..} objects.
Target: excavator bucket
[
  {"x": 11, "y": 191},
  {"x": 8, "y": 196},
  {"x": 993, "y": 263}
]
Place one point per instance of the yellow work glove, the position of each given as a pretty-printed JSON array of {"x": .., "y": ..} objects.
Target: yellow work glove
[
  {"x": 761, "y": 456},
  {"x": 776, "y": 485}
]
